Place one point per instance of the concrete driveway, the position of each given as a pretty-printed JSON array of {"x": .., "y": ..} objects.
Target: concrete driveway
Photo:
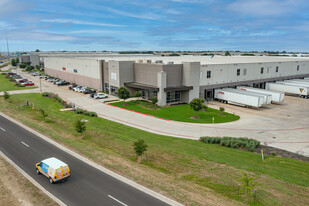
[{"x": 284, "y": 126}]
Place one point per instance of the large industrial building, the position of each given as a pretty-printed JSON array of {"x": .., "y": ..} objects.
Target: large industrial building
[{"x": 173, "y": 79}]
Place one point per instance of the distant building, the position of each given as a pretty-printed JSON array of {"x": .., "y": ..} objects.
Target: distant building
[{"x": 173, "y": 79}]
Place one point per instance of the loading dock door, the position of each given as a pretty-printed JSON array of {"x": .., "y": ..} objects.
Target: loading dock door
[{"x": 208, "y": 95}]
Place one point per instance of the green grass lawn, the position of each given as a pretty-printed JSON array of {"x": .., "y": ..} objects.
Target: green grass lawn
[
  {"x": 6, "y": 85},
  {"x": 181, "y": 113},
  {"x": 189, "y": 163}
]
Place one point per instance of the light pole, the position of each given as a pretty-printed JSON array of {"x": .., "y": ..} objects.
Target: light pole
[{"x": 40, "y": 85}]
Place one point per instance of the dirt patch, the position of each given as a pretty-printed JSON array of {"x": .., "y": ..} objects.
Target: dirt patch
[
  {"x": 15, "y": 189},
  {"x": 194, "y": 117}
]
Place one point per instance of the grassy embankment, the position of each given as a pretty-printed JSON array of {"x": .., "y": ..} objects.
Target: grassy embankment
[
  {"x": 15, "y": 189},
  {"x": 6, "y": 85},
  {"x": 191, "y": 172},
  {"x": 182, "y": 113}
]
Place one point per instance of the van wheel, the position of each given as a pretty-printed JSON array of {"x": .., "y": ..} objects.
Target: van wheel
[
  {"x": 51, "y": 181},
  {"x": 38, "y": 172}
]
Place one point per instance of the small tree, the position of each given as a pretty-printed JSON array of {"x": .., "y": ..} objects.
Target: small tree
[
  {"x": 13, "y": 62},
  {"x": 197, "y": 105},
  {"x": 17, "y": 60},
  {"x": 37, "y": 67},
  {"x": 154, "y": 100},
  {"x": 80, "y": 126},
  {"x": 137, "y": 94},
  {"x": 247, "y": 184},
  {"x": 43, "y": 114},
  {"x": 23, "y": 65},
  {"x": 140, "y": 147},
  {"x": 37, "y": 50},
  {"x": 227, "y": 53},
  {"x": 123, "y": 93},
  {"x": 6, "y": 95},
  {"x": 222, "y": 109}
]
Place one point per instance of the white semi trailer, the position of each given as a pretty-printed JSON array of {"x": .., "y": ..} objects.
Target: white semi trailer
[
  {"x": 267, "y": 97},
  {"x": 294, "y": 83},
  {"x": 298, "y": 81},
  {"x": 275, "y": 96},
  {"x": 233, "y": 97},
  {"x": 289, "y": 89}
]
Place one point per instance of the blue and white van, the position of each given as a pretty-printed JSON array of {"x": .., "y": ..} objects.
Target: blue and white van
[{"x": 54, "y": 169}]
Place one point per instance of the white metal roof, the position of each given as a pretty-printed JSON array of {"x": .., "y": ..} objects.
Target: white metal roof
[
  {"x": 204, "y": 60},
  {"x": 54, "y": 162}
]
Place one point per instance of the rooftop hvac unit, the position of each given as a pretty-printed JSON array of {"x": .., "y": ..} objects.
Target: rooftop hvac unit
[
  {"x": 159, "y": 61},
  {"x": 148, "y": 61},
  {"x": 170, "y": 62}
]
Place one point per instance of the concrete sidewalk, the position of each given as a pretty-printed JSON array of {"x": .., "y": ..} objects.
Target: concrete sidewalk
[{"x": 283, "y": 126}]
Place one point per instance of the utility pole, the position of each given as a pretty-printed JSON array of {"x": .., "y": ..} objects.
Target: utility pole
[{"x": 7, "y": 44}]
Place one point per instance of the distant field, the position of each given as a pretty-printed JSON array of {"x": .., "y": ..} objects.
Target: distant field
[
  {"x": 181, "y": 113},
  {"x": 191, "y": 172}
]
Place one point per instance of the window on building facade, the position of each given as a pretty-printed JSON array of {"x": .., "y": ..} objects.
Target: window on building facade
[
  {"x": 262, "y": 70},
  {"x": 208, "y": 74},
  {"x": 173, "y": 97},
  {"x": 277, "y": 69},
  {"x": 297, "y": 67},
  {"x": 245, "y": 72},
  {"x": 238, "y": 72}
]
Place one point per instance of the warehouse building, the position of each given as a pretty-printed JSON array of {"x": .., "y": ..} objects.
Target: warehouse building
[{"x": 173, "y": 79}]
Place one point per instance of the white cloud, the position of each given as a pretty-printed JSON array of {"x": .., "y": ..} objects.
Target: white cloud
[
  {"x": 265, "y": 7},
  {"x": 71, "y": 21},
  {"x": 149, "y": 15}
]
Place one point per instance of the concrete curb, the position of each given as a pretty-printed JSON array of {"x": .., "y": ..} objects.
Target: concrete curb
[
  {"x": 32, "y": 180},
  {"x": 95, "y": 165}
]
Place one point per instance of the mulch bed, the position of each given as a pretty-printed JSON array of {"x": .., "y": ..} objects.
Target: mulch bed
[{"x": 272, "y": 151}]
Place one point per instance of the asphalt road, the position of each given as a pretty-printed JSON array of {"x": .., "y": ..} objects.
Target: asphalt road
[{"x": 86, "y": 186}]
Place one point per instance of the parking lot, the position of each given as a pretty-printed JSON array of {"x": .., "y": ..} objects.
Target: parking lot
[{"x": 284, "y": 125}]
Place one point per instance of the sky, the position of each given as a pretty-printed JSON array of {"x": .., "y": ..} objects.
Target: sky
[{"x": 161, "y": 25}]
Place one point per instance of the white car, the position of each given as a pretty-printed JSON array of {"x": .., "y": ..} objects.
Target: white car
[
  {"x": 81, "y": 89},
  {"x": 100, "y": 96}
]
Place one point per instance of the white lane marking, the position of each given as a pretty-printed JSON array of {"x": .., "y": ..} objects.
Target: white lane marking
[
  {"x": 25, "y": 144},
  {"x": 2, "y": 129},
  {"x": 117, "y": 200}
]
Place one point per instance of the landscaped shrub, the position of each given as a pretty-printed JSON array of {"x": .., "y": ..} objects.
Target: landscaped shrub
[
  {"x": 222, "y": 109},
  {"x": 233, "y": 142},
  {"x": 85, "y": 112},
  {"x": 57, "y": 98}
]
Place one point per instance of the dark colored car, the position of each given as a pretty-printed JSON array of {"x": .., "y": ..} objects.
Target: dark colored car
[
  {"x": 89, "y": 91},
  {"x": 11, "y": 73},
  {"x": 23, "y": 80},
  {"x": 72, "y": 87}
]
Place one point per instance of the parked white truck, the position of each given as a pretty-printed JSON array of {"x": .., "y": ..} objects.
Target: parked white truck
[
  {"x": 233, "y": 96},
  {"x": 267, "y": 97},
  {"x": 298, "y": 81},
  {"x": 275, "y": 96},
  {"x": 289, "y": 89}
]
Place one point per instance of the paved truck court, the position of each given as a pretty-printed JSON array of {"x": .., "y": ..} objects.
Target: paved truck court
[{"x": 285, "y": 126}]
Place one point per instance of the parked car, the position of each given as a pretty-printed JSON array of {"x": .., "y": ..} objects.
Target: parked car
[
  {"x": 80, "y": 90},
  {"x": 72, "y": 86},
  {"x": 28, "y": 83},
  {"x": 42, "y": 77},
  {"x": 54, "y": 169},
  {"x": 88, "y": 91},
  {"x": 100, "y": 96},
  {"x": 11, "y": 73},
  {"x": 23, "y": 80},
  {"x": 93, "y": 94},
  {"x": 16, "y": 76},
  {"x": 77, "y": 88},
  {"x": 50, "y": 79},
  {"x": 35, "y": 74},
  {"x": 62, "y": 82}
]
